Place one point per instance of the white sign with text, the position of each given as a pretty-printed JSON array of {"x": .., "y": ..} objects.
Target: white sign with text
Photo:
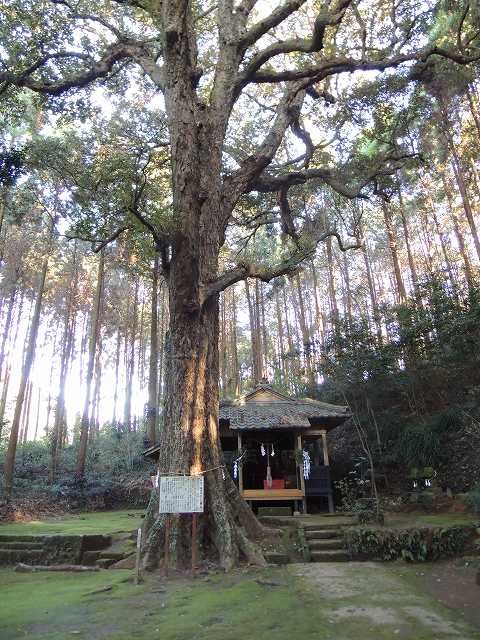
[{"x": 181, "y": 494}]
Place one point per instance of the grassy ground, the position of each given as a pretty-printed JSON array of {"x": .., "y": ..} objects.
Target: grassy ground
[
  {"x": 97, "y": 522},
  {"x": 433, "y": 520},
  {"x": 341, "y": 601}
]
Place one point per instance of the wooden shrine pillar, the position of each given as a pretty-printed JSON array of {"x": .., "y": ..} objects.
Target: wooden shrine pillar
[
  {"x": 240, "y": 466},
  {"x": 302, "y": 479},
  {"x": 326, "y": 462}
]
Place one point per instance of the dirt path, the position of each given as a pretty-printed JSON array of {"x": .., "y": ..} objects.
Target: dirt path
[
  {"x": 453, "y": 583},
  {"x": 368, "y": 597}
]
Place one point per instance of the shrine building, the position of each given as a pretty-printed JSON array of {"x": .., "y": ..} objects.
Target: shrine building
[{"x": 281, "y": 447}]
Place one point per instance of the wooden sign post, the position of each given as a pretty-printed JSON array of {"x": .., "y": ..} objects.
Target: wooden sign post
[
  {"x": 137, "y": 557},
  {"x": 194, "y": 543},
  {"x": 181, "y": 494}
]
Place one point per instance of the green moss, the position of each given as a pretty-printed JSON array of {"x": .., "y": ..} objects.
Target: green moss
[
  {"x": 274, "y": 603},
  {"x": 50, "y": 602},
  {"x": 446, "y": 519},
  {"x": 95, "y": 522}
]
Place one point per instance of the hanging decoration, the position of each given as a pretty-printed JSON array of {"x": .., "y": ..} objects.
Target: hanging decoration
[
  {"x": 306, "y": 464},
  {"x": 238, "y": 461},
  {"x": 269, "y": 476},
  {"x": 272, "y": 452},
  {"x": 223, "y": 474},
  {"x": 262, "y": 449}
]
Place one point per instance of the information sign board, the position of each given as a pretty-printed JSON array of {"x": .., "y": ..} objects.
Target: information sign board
[{"x": 181, "y": 494}]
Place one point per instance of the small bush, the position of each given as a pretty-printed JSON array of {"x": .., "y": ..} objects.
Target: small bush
[
  {"x": 473, "y": 499},
  {"x": 414, "y": 545}
]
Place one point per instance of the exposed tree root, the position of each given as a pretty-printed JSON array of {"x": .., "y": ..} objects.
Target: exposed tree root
[{"x": 228, "y": 526}]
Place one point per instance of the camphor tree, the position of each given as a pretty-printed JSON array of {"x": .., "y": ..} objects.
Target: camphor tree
[{"x": 247, "y": 89}]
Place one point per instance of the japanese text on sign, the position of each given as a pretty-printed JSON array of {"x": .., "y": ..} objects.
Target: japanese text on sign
[{"x": 181, "y": 494}]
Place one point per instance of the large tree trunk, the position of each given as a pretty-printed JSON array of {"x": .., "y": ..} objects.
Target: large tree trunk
[
  {"x": 3, "y": 401},
  {"x": 335, "y": 316},
  {"x": 67, "y": 348},
  {"x": 458, "y": 233},
  {"x": 29, "y": 357},
  {"x": 254, "y": 337},
  {"x": 94, "y": 328},
  {"x": 190, "y": 441},
  {"x": 406, "y": 235},
  {"x": 306, "y": 339},
  {"x": 235, "y": 377},
  {"x": 117, "y": 367},
  {"x": 392, "y": 244},
  {"x": 7, "y": 327},
  {"x": 130, "y": 363},
  {"x": 153, "y": 364}
]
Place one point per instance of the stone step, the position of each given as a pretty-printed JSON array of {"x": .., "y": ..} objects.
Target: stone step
[
  {"x": 105, "y": 563},
  {"x": 89, "y": 558},
  {"x": 10, "y": 538},
  {"x": 350, "y": 522},
  {"x": 29, "y": 556},
  {"x": 112, "y": 555},
  {"x": 320, "y": 545},
  {"x": 275, "y": 557},
  {"x": 322, "y": 534},
  {"x": 21, "y": 544},
  {"x": 329, "y": 556}
]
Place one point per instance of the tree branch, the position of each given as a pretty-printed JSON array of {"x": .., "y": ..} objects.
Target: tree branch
[
  {"x": 287, "y": 110},
  {"x": 287, "y": 266},
  {"x": 325, "y": 18},
  {"x": 122, "y": 50},
  {"x": 273, "y": 20},
  {"x": 342, "y": 65},
  {"x": 386, "y": 166},
  {"x": 112, "y": 238}
]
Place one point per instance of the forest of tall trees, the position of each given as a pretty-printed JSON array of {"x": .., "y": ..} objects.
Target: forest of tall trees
[{"x": 305, "y": 192}]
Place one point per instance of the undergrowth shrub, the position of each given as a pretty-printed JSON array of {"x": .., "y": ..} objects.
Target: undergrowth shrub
[
  {"x": 473, "y": 499},
  {"x": 414, "y": 544}
]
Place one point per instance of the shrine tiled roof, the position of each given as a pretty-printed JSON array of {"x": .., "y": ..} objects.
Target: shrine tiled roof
[{"x": 265, "y": 408}]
